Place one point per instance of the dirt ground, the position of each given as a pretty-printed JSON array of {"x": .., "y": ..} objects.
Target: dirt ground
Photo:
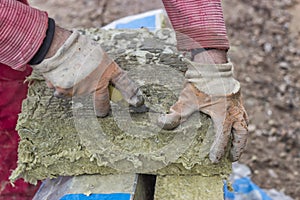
[{"x": 265, "y": 41}]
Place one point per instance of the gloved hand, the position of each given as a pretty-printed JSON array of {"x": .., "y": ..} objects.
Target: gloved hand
[
  {"x": 212, "y": 89},
  {"x": 80, "y": 67}
]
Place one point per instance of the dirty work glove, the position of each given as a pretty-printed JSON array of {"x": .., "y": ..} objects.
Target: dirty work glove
[
  {"x": 80, "y": 67},
  {"x": 212, "y": 89}
]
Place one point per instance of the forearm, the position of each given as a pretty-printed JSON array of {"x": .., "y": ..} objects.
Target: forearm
[
  {"x": 22, "y": 31},
  {"x": 198, "y": 23}
]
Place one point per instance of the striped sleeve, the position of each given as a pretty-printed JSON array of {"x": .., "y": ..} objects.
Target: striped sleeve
[
  {"x": 198, "y": 23},
  {"x": 22, "y": 30}
]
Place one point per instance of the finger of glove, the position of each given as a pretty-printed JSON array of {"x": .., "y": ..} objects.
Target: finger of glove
[
  {"x": 130, "y": 92},
  {"x": 186, "y": 105},
  {"x": 59, "y": 92},
  {"x": 222, "y": 128},
  {"x": 101, "y": 102},
  {"x": 240, "y": 135},
  {"x": 62, "y": 93},
  {"x": 241, "y": 107},
  {"x": 49, "y": 84},
  {"x": 245, "y": 115}
]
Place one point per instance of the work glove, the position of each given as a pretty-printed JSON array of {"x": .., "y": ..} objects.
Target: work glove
[
  {"x": 80, "y": 67},
  {"x": 212, "y": 89}
]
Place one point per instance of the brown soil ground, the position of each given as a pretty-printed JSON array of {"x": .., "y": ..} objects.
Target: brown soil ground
[{"x": 264, "y": 37}]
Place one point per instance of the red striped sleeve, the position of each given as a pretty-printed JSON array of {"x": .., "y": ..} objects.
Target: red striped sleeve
[
  {"x": 22, "y": 30},
  {"x": 198, "y": 23}
]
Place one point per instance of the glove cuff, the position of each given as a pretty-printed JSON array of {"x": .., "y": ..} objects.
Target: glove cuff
[
  {"x": 212, "y": 79},
  {"x": 62, "y": 54},
  {"x": 43, "y": 50}
]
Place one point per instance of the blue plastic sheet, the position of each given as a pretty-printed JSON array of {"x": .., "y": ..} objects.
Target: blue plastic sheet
[
  {"x": 148, "y": 22},
  {"x": 152, "y": 20},
  {"x": 116, "y": 196},
  {"x": 244, "y": 189}
]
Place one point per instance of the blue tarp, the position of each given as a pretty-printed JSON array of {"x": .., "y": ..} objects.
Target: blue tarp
[
  {"x": 115, "y": 196},
  {"x": 148, "y": 22},
  {"x": 244, "y": 188}
]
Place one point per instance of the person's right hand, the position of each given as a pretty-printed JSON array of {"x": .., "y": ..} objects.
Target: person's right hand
[{"x": 80, "y": 67}]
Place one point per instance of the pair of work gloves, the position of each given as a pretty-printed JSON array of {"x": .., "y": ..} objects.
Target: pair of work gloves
[{"x": 80, "y": 67}]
